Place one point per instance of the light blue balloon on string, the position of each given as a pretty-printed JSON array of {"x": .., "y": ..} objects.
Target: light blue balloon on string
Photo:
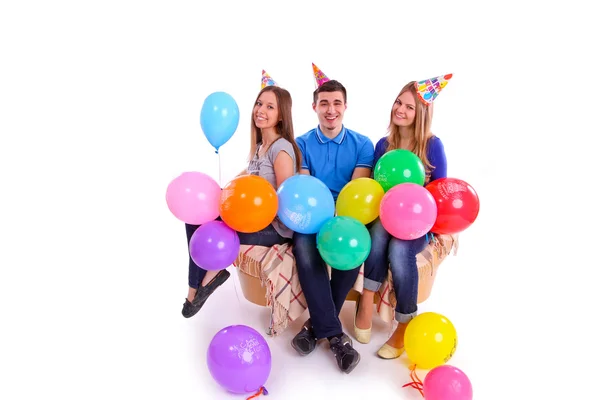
[{"x": 219, "y": 118}]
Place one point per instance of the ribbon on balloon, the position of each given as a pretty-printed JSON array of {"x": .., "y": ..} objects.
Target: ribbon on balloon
[
  {"x": 416, "y": 382},
  {"x": 262, "y": 390}
]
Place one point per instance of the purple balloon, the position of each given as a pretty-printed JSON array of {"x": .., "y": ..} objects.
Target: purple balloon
[
  {"x": 239, "y": 359},
  {"x": 214, "y": 246}
]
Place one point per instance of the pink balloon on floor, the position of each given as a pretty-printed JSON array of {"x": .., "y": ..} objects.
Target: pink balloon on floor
[
  {"x": 407, "y": 211},
  {"x": 194, "y": 197},
  {"x": 447, "y": 383}
]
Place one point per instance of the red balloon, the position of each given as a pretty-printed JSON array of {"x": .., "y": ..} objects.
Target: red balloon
[{"x": 457, "y": 205}]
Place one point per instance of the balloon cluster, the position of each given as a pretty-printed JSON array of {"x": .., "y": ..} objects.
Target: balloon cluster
[
  {"x": 249, "y": 203},
  {"x": 406, "y": 208},
  {"x": 409, "y": 210},
  {"x": 306, "y": 206}
]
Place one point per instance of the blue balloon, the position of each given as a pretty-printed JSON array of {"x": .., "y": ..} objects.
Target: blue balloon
[
  {"x": 305, "y": 203},
  {"x": 219, "y": 118}
]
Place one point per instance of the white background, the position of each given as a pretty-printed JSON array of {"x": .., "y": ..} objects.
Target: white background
[{"x": 99, "y": 111}]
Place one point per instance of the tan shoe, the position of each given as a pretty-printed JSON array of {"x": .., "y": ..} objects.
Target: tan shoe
[
  {"x": 389, "y": 353},
  {"x": 362, "y": 335}
]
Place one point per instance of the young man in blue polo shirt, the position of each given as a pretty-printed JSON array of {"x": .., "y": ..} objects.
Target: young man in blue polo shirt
[{"x": 335, "y": 155}]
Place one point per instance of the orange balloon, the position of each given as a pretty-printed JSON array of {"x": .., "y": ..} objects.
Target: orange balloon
[{"x": 248, "y": 203}]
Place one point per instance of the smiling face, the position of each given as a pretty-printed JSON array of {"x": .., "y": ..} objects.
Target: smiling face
[
  {"x": 266, "y": 111},
  {"x": 330, "y": 108},
  {"x": 404, "y": 110}
]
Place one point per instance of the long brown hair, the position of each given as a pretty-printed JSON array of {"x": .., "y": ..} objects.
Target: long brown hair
[
  {"x": 285, "y": 126},
  {"x": 422, "y": 129}
]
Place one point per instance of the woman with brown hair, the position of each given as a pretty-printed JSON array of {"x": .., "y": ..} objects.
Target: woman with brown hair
[{"x": 275, "y": 156}]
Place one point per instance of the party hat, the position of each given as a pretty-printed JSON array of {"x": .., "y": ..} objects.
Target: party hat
[
  {"x": 429, "y": 89},
  {"x": 267, "y": 80},
  {"x": 320, "y": 77}
]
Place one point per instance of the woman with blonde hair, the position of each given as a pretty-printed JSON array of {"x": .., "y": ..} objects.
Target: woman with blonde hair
[{"x": 409, "y": 129}]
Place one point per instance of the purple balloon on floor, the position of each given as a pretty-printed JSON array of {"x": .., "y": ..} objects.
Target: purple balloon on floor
[
  {"x": 239, "y": 359},
  {"x": 214, "y": 246}
]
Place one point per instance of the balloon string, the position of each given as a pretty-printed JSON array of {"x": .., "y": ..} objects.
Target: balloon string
[
  {"x": 416, "y": 382},
  {"x": 234, "y": 284},
  {"x": 262, "y": 390},
  {"x": 236, "y": 295},
  {"x": 219, "y": 157}
]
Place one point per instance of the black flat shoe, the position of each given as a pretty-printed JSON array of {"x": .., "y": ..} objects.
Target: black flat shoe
[{"x": 191, "y": 308}]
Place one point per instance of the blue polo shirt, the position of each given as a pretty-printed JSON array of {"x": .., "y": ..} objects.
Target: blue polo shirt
[{"x": 333, "y": 160}]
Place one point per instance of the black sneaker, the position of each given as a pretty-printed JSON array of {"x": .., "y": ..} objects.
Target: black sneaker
[
  {"x": 305, "y": 341},
  {"x": 191, "y": 308},
  {"x": 347, "y": 358}
]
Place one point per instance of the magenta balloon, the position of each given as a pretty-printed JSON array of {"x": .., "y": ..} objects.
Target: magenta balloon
[
  {"x": 194, "y": 197},
  {"x": 239, "y": 359},
  {"x": 447, "y": 383},
  {"x": 407, "y": 211},
  {"x": 214, "y": 246}
]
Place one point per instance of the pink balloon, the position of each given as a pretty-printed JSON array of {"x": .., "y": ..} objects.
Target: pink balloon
[
  {"x": 193, "y": 197},
  {"x": 407, "y": 211},
  {"x": 447, "y": 383}
]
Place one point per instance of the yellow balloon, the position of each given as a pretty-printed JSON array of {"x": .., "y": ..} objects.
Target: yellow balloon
[
  {"x": 430, "y": 340},
  {"x": 360, "y": 199}
]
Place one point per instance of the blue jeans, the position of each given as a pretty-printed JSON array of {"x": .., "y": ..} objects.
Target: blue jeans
[
  {"x": 324, "y": 297},
  {"x": 401, "y": 257},
  {"x": 267, "y": 237}
]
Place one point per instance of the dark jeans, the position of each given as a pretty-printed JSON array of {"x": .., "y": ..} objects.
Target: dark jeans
[
  {"x": 324, "y": 297},
  {"x": 267, "y": 237},
  {"x": 400, "y": 256}
]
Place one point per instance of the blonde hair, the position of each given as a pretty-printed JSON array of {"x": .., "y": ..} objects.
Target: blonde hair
[{"x": 422, "y": 129}]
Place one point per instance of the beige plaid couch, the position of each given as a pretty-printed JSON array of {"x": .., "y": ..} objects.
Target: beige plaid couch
[{"x": 268, "y": 277}]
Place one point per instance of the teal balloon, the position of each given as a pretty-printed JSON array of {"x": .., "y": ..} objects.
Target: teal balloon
[
  {"x": 219, "y": 118},
  {"x": 344, "y": 243},
  {"x": 399, "y": 166}
]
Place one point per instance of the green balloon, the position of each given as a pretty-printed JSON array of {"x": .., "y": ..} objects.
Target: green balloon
[
  {"x": 399, "y": 166},
  {"x": 344, "y": 243}
]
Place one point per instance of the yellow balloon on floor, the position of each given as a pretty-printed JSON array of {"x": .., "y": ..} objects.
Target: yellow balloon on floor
[
  {"x": 430, "y": 340},
  {"x": 360, "y": 199}
]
